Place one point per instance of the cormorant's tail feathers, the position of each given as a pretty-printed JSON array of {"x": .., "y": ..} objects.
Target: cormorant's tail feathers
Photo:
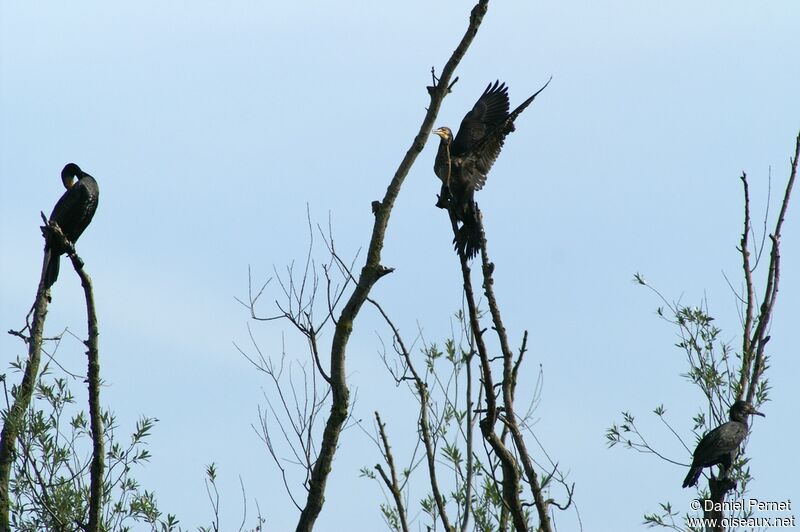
[
  {"x": 51, "y": 273},
  {"x": 468, "y": 240},
  {"x": 692, "y": 476}
]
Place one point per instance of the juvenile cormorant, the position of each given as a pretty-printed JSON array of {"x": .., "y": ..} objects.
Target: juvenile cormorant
[
  {"x": 463, "y": 162},
  {"x": 72, "y": 213},
  {"x": 719, "y": 446}
]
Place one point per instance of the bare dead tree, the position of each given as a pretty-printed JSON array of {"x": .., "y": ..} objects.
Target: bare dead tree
[
  {"x": 371, "y": 272},
  {"x": 294, "y": 408}
]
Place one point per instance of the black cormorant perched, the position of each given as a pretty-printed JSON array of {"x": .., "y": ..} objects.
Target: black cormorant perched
[
  {"x": 72, "y": 213},
  {"x": 463, "y": 161},
  {"x": 719, "y": 446}
]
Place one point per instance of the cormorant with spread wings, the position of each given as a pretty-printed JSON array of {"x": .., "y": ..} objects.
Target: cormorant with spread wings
[{"x": 463, "y": 162}]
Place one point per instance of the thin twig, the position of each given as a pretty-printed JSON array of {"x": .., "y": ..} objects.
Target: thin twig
[{"x": 392, "y": 484}]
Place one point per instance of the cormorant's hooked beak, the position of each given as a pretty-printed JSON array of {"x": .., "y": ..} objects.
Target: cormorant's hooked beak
[
  {"x": 440, "y": 133},
  {"x": 757, "y": 413}
]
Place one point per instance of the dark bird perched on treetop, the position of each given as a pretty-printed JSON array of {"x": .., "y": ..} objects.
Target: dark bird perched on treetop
[
  {"x": 463, "y": 161},
  {"x": 72, "y": 213},
  {"x": 719, "y": 446}
]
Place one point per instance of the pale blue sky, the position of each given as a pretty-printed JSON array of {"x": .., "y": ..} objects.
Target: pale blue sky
[{"x": 209, "y": 127}]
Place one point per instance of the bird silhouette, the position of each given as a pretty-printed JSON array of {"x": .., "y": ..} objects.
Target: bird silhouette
[
  {"x": 463, "y": 162},
  {"x": 719, "y": 446},
  {"x": 73, "y": 212}
]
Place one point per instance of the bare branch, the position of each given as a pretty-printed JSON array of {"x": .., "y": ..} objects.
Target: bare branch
[
  {"x": 13, "y": 419},
  {"x": 95, "y": 412},
  {"x": 392, "y": 484},
  {"x": 371, "y": 272},
  {"x": 760, "y": 337}
]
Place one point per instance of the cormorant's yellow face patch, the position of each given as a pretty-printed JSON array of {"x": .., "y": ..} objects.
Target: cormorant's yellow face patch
[
  {"x": 69, "y": 182},
  {"x": 442, "y": 132}
]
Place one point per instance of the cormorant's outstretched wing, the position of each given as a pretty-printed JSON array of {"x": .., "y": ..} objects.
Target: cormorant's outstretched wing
[
  {"x": 477, "y": 162},
  {"x": 490, "y": 111}
]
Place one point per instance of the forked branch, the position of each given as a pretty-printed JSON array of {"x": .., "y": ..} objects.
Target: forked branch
[{"x": 371, "y": 272}]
